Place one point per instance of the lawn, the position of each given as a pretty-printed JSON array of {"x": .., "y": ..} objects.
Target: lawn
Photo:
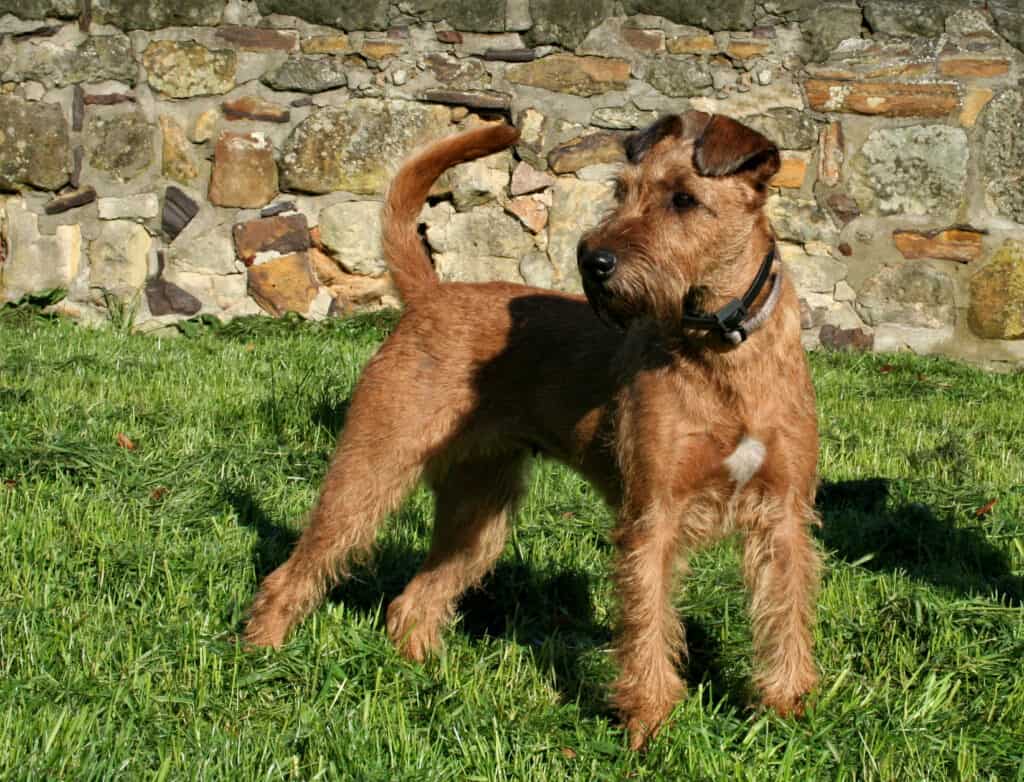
[{"x": 147, "y": 484}]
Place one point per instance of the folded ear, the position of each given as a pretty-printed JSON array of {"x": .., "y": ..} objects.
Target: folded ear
[
  {"x": 727, "y": 147},
  {"x": 688, "y": 125}
]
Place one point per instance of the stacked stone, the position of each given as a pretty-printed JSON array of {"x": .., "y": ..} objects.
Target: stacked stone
[{"x": 229, "y": 156}]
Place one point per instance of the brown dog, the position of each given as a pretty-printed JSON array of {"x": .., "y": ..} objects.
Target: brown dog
[{"x": 687, "y": 427}]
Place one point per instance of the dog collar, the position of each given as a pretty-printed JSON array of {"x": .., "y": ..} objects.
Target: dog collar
[{"x": 733, "y": 322}]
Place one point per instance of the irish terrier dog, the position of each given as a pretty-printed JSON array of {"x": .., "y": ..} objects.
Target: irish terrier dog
[{"x": 681, "y": 392}]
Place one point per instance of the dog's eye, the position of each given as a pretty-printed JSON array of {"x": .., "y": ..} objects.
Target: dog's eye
[{"x": 681, "y": 201}]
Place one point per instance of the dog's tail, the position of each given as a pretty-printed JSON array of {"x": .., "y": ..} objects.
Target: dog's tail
[{"x": 404, "y": 251}]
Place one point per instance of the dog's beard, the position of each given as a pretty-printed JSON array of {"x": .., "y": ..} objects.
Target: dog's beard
[{"x": 602, "y": 302}]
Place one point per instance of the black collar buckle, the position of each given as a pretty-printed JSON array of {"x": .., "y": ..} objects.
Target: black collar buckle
[
  {"x": 731, "y": 316},
  {"x": 731, "y": 321}
]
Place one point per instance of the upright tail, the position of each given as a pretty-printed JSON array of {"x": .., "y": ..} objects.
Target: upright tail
[{"x": 406, "y": 256}]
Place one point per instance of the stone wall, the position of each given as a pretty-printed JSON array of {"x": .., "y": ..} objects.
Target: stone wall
[{"x": 229, "y": 157}]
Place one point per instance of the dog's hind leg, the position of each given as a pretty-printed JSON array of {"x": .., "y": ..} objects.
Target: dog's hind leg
[
  {"x": 473, "y": 501},
  {"x": 387, "y": 441}
]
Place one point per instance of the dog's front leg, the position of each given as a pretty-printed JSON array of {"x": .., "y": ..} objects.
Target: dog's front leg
[
  {"x": 781, "y": 568},
  {"x": 650, "y": 640}
]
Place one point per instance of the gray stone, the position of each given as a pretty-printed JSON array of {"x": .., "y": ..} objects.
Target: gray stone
[
  {"x": 1002, "y": 154},
  {"x": 919, "y": 170},
  {"x": 119, "y": 144},
  {"x": 720, "y": 15},
  {"x": 679, "y": 77},
  {"x": 480, "y": 181},
  {"x": 793, "y": 10},
  {"x": 622, "y": 118},
  {"x": 517, "y": 15},
  {"x": 565, "y": 22},
  {"x": 893, "y": 338},
  {"x": 480, "y": 245},
  {"x": 576, "y": 207},
  {"x": 457, "y": 74},
  {"x": 355, "y": 147},
  {"x": 209, "y": 253},
  {"x": 141, "y": 206},
  {"x": 99, "y": 58},
  {"x": 40, "y": 9},
  {"x": 908, "y": 295},
  {"x": 905, "y": 18},
  {"x": 35, "y": 262},
  {"x": 536, "y": 269},
  {"x": 1009, "y": 19},
  {"x": 480, "y": 16},
  {"x": 813, "y": 273},
  {"x": 186, "y": 69},
  {"x": 788, "y": 128},
  {"x": 119, "y": 260},
  {"x": 800, "y": 220},
  {"x": 351, "y": 231},
  {"x": 308, "y": 73},
  {"x": 832, "y": 23},
  {"x": 154, "y": 14},
  {"x": 362, "y": 15},
  {"x": 34, "y": 146}
]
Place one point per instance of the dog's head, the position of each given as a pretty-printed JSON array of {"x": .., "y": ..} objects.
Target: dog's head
[{"x": 690, "y": 200}]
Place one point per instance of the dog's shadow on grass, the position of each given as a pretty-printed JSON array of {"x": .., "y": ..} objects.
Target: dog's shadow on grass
[
  {"x": 861, "y": 524},
  {"x": 549, "y": 612}
]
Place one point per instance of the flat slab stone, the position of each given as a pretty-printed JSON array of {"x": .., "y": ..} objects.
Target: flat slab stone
[
  {"x": 34, "y": 145},
  {"x": 355, "y": 147}
]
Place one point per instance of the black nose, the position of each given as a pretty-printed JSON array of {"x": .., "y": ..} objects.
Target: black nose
[{"x": 598, "y": 265}]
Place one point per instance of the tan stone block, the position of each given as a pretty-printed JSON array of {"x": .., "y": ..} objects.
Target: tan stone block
[
  {"x": 974, "y": 101},
  {"x": 746, "y": 50},
  {"x": 380, "y": 50},
  {"x": 584, "y": 76},
  {"x": 283, "y": 285},
  {"x": 691, "y": 44},
  {"x": 890, "y": 99},
  {"x": 326, "y": 44},
  {"x": 952, "y": 244},
  {"x": 996, "y": 309},
  {"x": 526, "y": 179},
  {"x": 244, "y": 171},
  {"x": 205, "y": 126},
  {"x": 792, "y": 171},
  {"x": 531, "y": 211},
  {"x": 831, "y": 153},
  {"x": 178, "y": 161},
  {"x": 973, "y": 67}
]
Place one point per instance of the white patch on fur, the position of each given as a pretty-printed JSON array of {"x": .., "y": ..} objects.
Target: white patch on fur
[{"x": 745, "y": 461}]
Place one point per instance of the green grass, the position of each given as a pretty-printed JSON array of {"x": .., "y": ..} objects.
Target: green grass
[{"x": 125, "y": 573}]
